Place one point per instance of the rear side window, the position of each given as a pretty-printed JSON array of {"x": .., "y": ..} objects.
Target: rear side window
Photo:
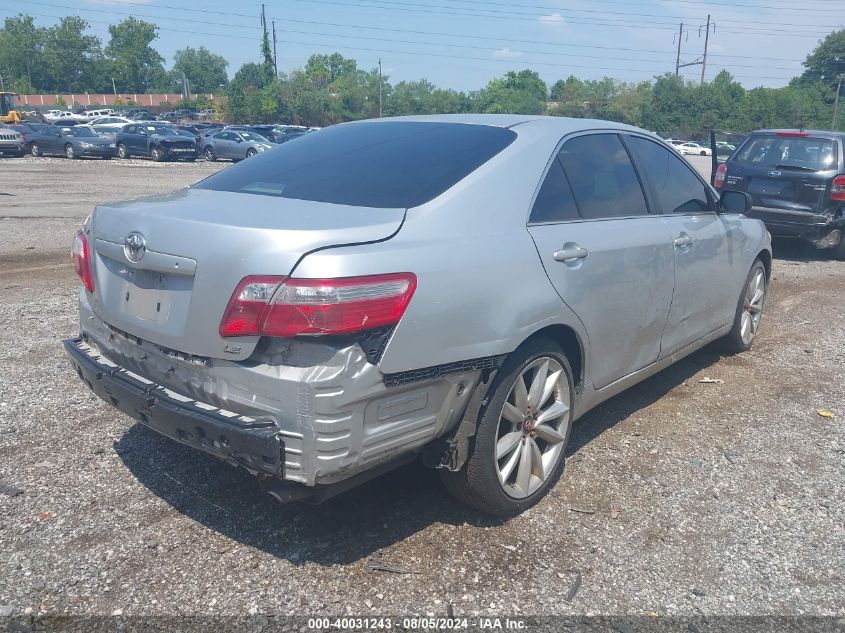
[
  {"x": 602, "y": 177},
  {"x": 394, "y": 164},
  {"x": 677, "y": 188},
  {"x": 554, "y": 202},
  {"x": 799, "y": 152}
]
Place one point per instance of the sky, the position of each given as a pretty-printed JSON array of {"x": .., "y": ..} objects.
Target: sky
[{"x": 462, "y": 44}]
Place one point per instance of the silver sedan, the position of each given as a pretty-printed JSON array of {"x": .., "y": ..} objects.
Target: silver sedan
[
  {"x": 234, "y": 145},
  {"x": 460, "y": 288}
]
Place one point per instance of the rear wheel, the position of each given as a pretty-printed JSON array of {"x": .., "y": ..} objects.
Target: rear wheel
[
  {"x": 122, "y": 152},
  {"x": 210, "y": 156},
  {"x": 35, "y": 150},
  {"x": 749, "y": 310},
  {"x": 704, "y": 153},
  {"x": 250, "y": 152},
  {"x": 69, "y": 151},
  {"x": 517, "y": 455}
]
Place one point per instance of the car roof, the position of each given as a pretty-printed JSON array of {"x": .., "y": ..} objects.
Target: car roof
[
  {"x": 828, "y": 133},
  {"x": 554, "y": 124}
]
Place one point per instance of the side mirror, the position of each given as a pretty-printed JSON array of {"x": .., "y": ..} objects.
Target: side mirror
[{"x": 734, "y": 202}]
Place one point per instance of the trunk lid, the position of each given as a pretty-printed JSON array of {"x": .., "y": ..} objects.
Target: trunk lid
[{"x": 197, "y": 245}]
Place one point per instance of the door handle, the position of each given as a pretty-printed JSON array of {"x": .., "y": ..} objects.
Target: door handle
[
  {"x": 570, "y": 252},
  {"x": 683, "y": 241}
]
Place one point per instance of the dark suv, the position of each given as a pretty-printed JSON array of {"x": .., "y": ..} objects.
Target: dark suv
[
  {"x": 796, "y": 180},
  {"x": 159, "y": 142}
]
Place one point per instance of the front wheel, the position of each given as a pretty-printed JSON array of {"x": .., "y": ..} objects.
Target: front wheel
[
  {"x": 157, "y": 154},
  {"x": 749, "y": 310},
  {"x": 210, "y": 156},
  {"x": 704, "y": 153},
  {"x": 35, "y": 150},
  {"x": 518, "y": 452},
  {"x": 839, "y": 251},
  {"x": 122, "y": 152},
  {"x": 250, "y": 152},
  {"x": 69, "y": 151}
]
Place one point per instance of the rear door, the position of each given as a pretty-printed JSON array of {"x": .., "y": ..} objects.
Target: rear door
[
  {"x": 705, "y": 258},
  {"x": 787, "y": 171},
  {"x": 609, "y": 259}
]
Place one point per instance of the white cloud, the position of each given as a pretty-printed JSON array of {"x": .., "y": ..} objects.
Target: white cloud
[
  {"x": 554, "y": 19},
  {"x": 506, "y": 53}
]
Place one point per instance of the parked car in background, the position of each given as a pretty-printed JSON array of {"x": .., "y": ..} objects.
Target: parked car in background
[
  {"x": 139, "y": 114},
  {"x": 694, "y": 148},
  {"x": 25, "y": 130},
  {"x": 77, "y": 141},
  {"x": 233, "y": 144},
  {"x": 158, "y": 141},
  {"x": 185, "y": 113},
  {"x": 11, "y": 141},
  {"x": 796, "y": 180},
  {"x": 109, "y": 124},
  {"x": 313, "y": 329},
  {"x": 675, "y": 141},
  {"x": 97, "y": 114},
  {"x": 207, "y": 113}
]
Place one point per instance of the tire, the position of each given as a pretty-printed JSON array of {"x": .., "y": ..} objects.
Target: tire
[
  {"x": 122, "y": 152},
  {"x": 209, "y": 154},
  {"x": 69, "y": 151},
  {"x": 839, "y": 251},
  {"x": 251, "y": 152},
  {"x": 35, "y": 150},
  {"x": 746, "y": 319},
  {"x": 492, "y": 484},
  {"x": 157, "y": 154},
  {"x": 704, "y": 153}
]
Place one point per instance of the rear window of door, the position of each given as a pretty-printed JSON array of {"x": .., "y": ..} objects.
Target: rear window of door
[
  {"x": 555, "y": 202},
  {"x": 677, "y": 188},
  {"x": 602, "y": 176},
  {"x": 799, "y": 152},
  {"x": 393, "y": 164}
]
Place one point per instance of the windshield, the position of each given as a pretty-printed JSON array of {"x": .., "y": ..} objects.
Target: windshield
[
  {"x": 163, "y": 130},
  {"x": 79, "y": 132},
  {"x": 252, "y": 136},
  {"x": 383, "y": 165},
  {"x": 817, "y": 154}
]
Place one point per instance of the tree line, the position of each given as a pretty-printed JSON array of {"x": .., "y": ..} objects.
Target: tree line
[{"x": 332, "y": 88}]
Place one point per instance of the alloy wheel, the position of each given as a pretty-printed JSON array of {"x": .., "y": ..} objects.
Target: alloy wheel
[
  {"x": 533, "y": 427},
  {"x": 34, "y": 149},
  {"x": 752, "y": 310},
  {"x": 69, "y": 152}
]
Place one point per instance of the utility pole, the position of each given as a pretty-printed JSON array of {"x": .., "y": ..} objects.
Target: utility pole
[
  {"x": 836, "y": 103},
  {"x": 678, "y": 58},
  {"x": 113, "y": 87},
  {"x": 380, "y": 83},
  {"x": 185, "y": 86},
  {"x": 706, "y": 40},
  {"x": 275, "y": 64}
]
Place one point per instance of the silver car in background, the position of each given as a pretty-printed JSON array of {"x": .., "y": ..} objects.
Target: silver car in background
[
  {"x": 457, "y": 287},
  {"x": 233, "y": 144}
]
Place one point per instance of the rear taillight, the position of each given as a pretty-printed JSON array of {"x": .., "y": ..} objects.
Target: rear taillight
[
  {"x": 276, "y": 306},
  {"x": 721, "y": 172},
  {"x": 837, "y": 189},
  {"x": 82, "y": 260}
]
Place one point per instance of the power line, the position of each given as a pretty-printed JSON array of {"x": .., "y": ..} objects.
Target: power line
[
  {"x": 442, "y": 56},
  {"x": 460, "y": 46},
  {"x": 345, "y": 26}
]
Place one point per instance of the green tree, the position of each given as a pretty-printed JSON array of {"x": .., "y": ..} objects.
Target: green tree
[
  {"x": 518, "y": 93},
  {"x": 21, "y": 52},
  {"x": 326, "y": 69},
  {"x": 827, "y": 60},
  {"x": 205, "y": 71},
  {"x": 136, "y": 65},
  {"x": 70, "y": 57}
]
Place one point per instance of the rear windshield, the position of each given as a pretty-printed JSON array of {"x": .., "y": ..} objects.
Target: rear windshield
[
  {"x": 396, "y": 164},
  {"x": 800, "y": 152}
]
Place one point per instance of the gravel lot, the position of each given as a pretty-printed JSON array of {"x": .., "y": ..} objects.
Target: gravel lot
[{"x": 680, "y": 497}]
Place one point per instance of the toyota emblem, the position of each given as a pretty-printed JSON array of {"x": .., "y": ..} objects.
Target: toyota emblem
[
  {"x": 134, "y": 247},
  {"x": 774, "y": 174}
]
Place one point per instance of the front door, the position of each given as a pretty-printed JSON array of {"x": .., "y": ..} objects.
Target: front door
[
  {"x": 609, "y": 259},
  {"x": 702, "y": 301}
]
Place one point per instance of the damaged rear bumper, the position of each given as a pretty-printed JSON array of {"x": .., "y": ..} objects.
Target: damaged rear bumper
[
  {"x": 821, "y": 230},
  {"x": 253, "y": 443}
]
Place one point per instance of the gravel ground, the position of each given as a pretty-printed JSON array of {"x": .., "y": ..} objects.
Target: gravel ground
[{"x": 680, "y": 497}]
